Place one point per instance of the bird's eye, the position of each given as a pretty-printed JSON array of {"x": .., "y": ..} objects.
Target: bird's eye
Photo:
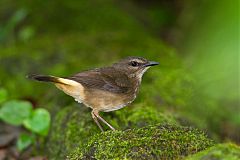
[{"x": 134, "y": 63}]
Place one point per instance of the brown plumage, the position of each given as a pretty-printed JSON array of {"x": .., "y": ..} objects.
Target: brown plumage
[{"x": 104, "y": 89}]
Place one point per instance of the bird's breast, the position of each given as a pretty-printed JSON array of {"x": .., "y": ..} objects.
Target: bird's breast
[{"x": 107, "y": 101}]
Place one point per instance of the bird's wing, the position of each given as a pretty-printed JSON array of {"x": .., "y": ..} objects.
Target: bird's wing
[{"x": 107, "y": 79}]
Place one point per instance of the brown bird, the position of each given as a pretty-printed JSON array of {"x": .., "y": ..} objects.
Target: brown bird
[{"x": 104, "y": 89}]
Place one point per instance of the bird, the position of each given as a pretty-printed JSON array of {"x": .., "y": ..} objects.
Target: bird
[{"x": 103, "y": 89}]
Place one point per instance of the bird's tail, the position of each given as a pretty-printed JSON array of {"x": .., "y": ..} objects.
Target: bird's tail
[
  {"x": 45, "y": 78},
  {"x": 70, "y": 87},
  {"x": 57, "y": 80}
]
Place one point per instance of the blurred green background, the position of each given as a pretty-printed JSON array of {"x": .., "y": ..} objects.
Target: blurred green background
[{"x": 196, "y": 43}]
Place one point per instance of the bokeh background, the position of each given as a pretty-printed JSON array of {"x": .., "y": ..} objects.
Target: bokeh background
[{"x": 195, "y": 41}]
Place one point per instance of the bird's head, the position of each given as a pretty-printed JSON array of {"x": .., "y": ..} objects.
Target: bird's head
[{"x": 134, "y": 66}]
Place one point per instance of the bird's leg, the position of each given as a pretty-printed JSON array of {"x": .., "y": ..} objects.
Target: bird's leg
[
  {"x": 99, "y": 117},
  {"x": 96, "y": 121}
]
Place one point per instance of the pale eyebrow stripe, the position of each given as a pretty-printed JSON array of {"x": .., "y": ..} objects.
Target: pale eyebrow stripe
[{"x": 139, "y": 61}]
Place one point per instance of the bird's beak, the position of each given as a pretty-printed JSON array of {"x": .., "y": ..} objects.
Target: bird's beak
[{"x": 151, "y": 63}]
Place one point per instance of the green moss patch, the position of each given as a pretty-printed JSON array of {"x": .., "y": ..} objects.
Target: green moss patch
[
  {"x": 226, "y": 151},
  {"x": 70, "y": 127},
  {"x": 73, "y": 125},
  {"x": 151, "y": 142}
]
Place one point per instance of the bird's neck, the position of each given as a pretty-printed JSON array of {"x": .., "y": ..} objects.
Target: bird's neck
[
  {"x": 136, "y": 81},
  {"x": 137, "y": 76}
]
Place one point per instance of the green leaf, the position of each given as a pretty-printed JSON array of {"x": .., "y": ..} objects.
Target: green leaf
[
  {"x": 3, "y": 95},
  {"x": 24, "y": 141},
  {"x": 15, "y": 112},
  {"x": 38, "y": 122}
]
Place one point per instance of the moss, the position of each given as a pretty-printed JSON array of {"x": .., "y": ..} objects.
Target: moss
[
  {"x": 139, "y": 115},
  {"x": 73, "y": 125},
  {"x": 227, "y": 151},
  {"x": 151, "y": 142}
]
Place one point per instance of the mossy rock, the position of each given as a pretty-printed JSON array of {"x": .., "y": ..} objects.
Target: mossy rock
[
  {"x": 151, "y": 142},
  {"x": 227, "y": 151},
  {"x": 73, "y": 125}
]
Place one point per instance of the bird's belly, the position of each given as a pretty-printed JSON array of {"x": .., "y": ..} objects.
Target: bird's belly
[
  {"x": 112, "y": 108},
  {"x": 106, "y": 101}
]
